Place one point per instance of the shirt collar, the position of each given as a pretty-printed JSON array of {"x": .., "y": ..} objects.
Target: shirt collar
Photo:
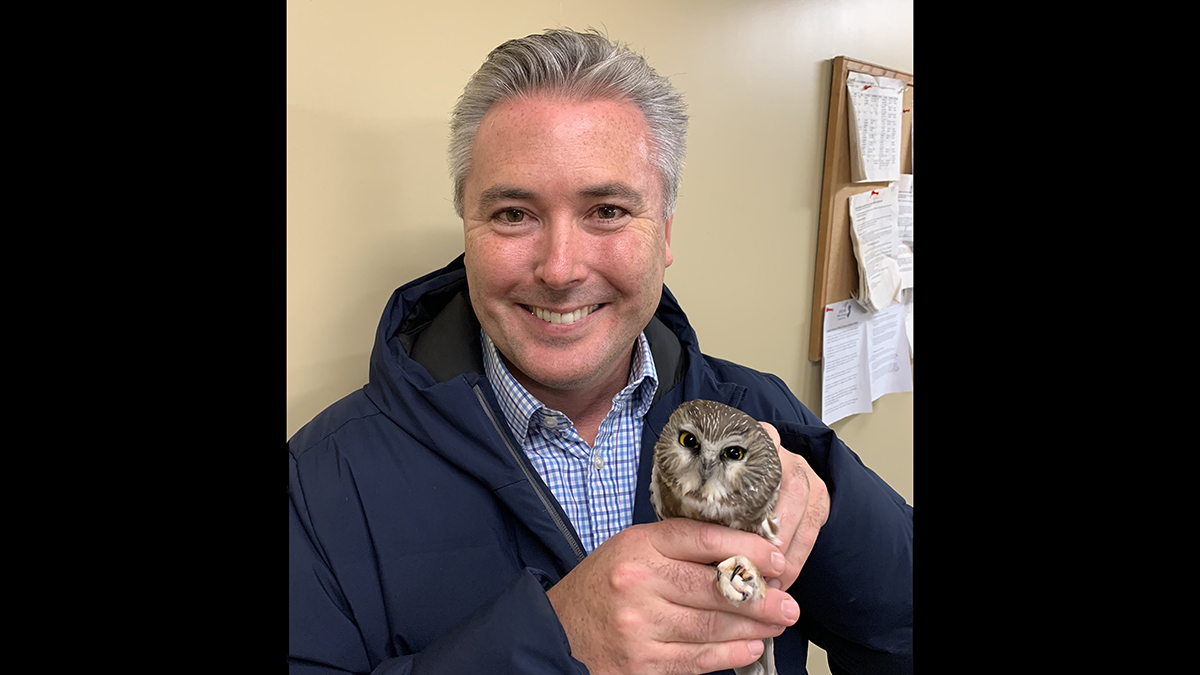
[{"x": 521, "y": 407}]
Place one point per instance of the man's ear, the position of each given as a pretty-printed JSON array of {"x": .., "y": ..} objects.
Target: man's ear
[{"x": 670, "y": 259}]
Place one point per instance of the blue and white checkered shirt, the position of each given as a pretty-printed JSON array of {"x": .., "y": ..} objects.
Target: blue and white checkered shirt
[{"x": 594, "y": 485}]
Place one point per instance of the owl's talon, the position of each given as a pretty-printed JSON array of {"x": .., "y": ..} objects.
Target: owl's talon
[{"x": 741, "y": 584}]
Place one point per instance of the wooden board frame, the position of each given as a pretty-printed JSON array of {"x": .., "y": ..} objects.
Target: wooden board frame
[{"x": 837, "y": 271}]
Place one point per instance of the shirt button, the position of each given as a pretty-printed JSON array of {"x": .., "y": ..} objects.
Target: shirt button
[
  {"x": 599, "y": 462},
  {"x": 551, "y": 422}
]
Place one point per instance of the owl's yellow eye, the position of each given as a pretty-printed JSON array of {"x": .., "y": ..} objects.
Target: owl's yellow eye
[
  {"x": 733, "y": 452},
  {"x": 687, "y": 440}
]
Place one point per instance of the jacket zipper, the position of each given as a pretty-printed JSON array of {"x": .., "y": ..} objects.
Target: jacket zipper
[{"x": 523, "y": 462}]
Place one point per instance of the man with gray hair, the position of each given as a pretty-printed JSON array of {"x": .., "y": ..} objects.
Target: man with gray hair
[{"x": 482, "y": 504}]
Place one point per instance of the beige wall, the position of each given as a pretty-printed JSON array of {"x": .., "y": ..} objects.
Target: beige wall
[{"x": 370, "y": 85}]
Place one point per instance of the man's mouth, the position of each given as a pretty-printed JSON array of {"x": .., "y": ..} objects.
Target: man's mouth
[{"x": 561, "y": 317}]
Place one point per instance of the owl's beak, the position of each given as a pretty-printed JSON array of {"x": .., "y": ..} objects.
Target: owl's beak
[{"x": 706, "y": 468}]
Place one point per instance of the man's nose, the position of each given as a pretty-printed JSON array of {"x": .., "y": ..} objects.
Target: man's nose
[{"x": 562, "y": 263}]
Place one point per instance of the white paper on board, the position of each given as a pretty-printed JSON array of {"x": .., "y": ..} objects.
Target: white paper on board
[
  {"x": 863, "y": 357},
  {"x": 875, "y": 109}
]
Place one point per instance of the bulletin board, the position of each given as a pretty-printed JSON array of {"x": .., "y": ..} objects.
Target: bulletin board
[{"x": 837, "y": 270}]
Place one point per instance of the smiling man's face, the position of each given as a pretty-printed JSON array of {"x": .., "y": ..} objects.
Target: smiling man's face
[{"x": 566, "y": 247}]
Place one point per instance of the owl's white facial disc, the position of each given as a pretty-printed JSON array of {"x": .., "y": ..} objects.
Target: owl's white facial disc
[{"x": 704, "y": 474}]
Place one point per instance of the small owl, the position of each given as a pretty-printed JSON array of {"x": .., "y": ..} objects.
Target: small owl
[{"x": 717, "y": 464}]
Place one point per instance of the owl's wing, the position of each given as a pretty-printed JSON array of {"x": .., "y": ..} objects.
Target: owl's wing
[{"x": 655, "y": 498}]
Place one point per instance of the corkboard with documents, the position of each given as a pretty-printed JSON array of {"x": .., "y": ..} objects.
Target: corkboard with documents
[{"x": 837, "y": 269}]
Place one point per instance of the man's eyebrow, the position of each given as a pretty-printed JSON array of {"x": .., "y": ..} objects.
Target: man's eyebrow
[
  {"x": 615, "y": 189},
  {"x": 498, "y": 193}
]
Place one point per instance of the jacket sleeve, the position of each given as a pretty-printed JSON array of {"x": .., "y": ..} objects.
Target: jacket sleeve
[
  {"x": 855, "y": 591},
  {"x": 515, "y": 632}
]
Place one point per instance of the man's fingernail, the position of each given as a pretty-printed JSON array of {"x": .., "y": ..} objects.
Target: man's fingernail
[
  {"x": 778, "y": 561},
  {"x": 791, "y": 611},
  {"x": 774, "y": 583},
  {"x": 756, "y": 648}
]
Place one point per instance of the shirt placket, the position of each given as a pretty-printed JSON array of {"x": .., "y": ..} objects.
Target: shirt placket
[
  {"x": 575, "y": 461},
  {"x": 603, "y": 474}
]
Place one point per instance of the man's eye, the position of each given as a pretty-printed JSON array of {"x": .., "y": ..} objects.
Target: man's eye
[
  {"x": 609, "y": 212},
  {"x": 512, "y": 215}
]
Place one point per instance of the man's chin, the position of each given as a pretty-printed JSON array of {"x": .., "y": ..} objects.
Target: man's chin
[
  {"x": 569, "y": 370},
  {"x": 563, "y": 379}
]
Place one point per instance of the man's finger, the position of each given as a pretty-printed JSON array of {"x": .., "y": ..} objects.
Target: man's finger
[
  {"x": 684, "y": 624},
  {"x": 693, "y": 586},
  {"x": 791, "y": 507},
  {"x": 772, "y": 432},
  {"x": 802, "y": 509},
  {"x": 690, "y": 659},
  {"x": 816, "y": 514},
  {"x": 694, "y": 541}
]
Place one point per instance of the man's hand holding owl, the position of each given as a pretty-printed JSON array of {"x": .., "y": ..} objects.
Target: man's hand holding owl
[
  {"x": 645, "y": 601},
  {"x": 803, "y": 508}
]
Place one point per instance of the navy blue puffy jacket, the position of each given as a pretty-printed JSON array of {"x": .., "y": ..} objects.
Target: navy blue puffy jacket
[{"x": 421, "y": 540}]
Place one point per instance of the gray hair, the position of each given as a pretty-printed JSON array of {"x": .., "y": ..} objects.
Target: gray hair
[{"x": 581, "y": 66}]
